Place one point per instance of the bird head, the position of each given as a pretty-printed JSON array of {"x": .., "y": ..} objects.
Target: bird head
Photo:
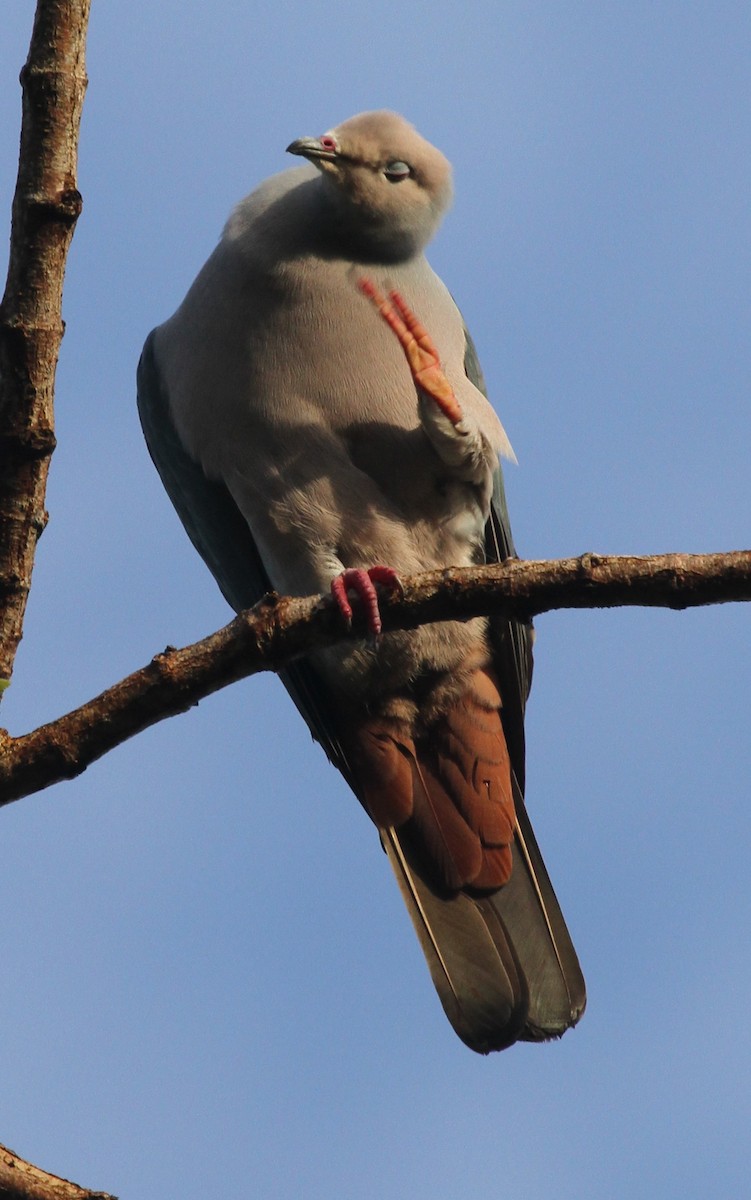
[{"x": 388, "y": 185}]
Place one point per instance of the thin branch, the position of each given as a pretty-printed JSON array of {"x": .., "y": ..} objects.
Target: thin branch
[
  {"x": 45, "y": 209},
  {"x": 280, "y": 629},
  {"x": 21, "y": 1180}
]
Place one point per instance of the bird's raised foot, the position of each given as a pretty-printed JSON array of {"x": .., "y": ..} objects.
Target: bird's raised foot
[
  {"x": 362, "y": 584},
  {"x": 418, "y": 347}
]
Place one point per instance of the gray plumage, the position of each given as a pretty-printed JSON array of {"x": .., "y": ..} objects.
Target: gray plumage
[{"x": 294, "y": 443}]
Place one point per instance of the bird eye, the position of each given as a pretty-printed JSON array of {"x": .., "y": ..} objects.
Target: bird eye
[
  {"x": 329, "y": 142},
  {"x": 396, "y": 171}
]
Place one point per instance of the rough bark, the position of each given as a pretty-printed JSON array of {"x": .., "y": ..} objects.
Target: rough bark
[
  {"x": 279, "y": 629},
  {"x": 45, "y": 208},
  {"x": 21, "y": 1180}
]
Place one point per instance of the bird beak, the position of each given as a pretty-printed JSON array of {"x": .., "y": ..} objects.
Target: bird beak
[{"x": 312, "y": 149}]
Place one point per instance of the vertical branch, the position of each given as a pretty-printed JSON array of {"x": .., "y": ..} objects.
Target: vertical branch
[{"x": 45, "y": 209}]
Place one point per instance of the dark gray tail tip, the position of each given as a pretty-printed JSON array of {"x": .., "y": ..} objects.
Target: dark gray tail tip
[{"x": 509, "y": 1034}]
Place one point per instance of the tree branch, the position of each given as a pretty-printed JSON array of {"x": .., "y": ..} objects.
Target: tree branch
[
  {"x": 45, "y": 208},
  {"x": 279, "y": 629},
  {"x": 21, "y": 1180}
]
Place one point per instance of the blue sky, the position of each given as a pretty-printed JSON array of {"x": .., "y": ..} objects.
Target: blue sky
[{"x": 207, "y": 969}]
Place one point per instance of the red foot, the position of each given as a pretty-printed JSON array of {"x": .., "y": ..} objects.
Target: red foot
[
  {"x": 362, "y": 584},
  {"x": 418, "y": 347}
]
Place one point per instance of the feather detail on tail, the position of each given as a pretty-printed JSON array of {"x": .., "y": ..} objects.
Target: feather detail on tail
[
  {"x": 503, "y": 964},
  {"x": 448, "y": 787},
  {"x": 456, "y": 832},
  {"x": 474, "y": 970}
]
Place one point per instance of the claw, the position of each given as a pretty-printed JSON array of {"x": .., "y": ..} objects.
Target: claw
[
  {"x": 362, "y": 584},
  {"x": 418, "y": 346},
  {"x": 387, "y": 578}
]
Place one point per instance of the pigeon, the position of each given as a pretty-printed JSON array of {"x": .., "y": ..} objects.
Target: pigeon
[{"x": 318, "y": 416}]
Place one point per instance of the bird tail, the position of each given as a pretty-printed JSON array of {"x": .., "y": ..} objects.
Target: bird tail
[{"x": 503, "y": 965}]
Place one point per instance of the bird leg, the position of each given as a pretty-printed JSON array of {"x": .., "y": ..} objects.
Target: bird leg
[
  {"x": 362, "y": 583},
  {"x": 418, "y": 347},
  {"x": 457, "y": 439}
]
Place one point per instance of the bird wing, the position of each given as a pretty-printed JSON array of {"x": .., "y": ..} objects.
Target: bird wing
[{"x": 222, "y": 537}]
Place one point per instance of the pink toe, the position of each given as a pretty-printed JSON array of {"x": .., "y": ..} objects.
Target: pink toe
[
  {"x": 386, "y": 577},
  {"x": 360, "y": 582},
  {"x": 339, "y": 594}
]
